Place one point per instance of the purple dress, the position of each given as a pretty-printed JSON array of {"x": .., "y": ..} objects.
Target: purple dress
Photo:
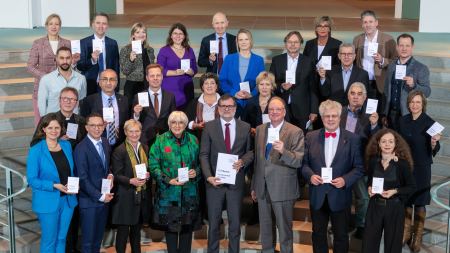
[{"x": 182, "y": 87}]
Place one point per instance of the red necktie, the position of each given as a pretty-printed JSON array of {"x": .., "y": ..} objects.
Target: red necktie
[
  {"x": 220, "y": 56},
  {"x": 227, "y": 138},
  {"x": 328, "y": 134}
]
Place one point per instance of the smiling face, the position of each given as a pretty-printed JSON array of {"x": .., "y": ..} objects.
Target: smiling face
[
  {"x": 293, "y": 45},
  {"x": 387, "y": 144},
  {"x": 95, "y": 127},
  {"x": 140, "y": 34},
  {"x": 405, "y": 48},
  {"x": 100, "y": 26},
  {"x": 227, "y": 109},
  {"x": 323, "y": 29},
  {"x": 276, "y": 112},
  {"x": 67, "y": 102},
  {"x": 244, "y": 41},
  {"x": 133, "y": 133},
  {"x": 416, "y": 105},
  {"x": 220, "y": 23},
  {"x": 209, "y": 86},
  {"x": 347, "y": 56},
  {"x": 154, "y": 78},
  {"x": 177, "y": 36},
  {"x": 108, "y": 82},
  {"x": 53, "y": 27},
  {"x": 52, "y": 131},
  {"x": 330, "y": 119},
  {"x": 369, "y": 24}
]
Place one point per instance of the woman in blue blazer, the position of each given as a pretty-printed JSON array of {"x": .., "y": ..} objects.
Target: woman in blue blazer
[
  {"x": 49, "y": 165},
  {"x": 240, "y": 67}
]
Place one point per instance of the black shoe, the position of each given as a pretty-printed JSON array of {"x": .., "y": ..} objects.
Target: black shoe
[{"x": 359, "y": 233}]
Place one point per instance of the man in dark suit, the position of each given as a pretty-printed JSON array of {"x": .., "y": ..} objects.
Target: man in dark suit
[
  {"x": 230, "y": 136},
  {"x": 300, "y": 93},
  {"x": 91, "y": 157},
  {"x": 334, "y": 84},
  {"x": 101, "y": 102},
  {"x": 91, "y": 62},
  {"x": 226, "y": 45},
  {"x": 332, "y": 163},
  {"x": 274, "y": 183},
  {"x": 161, "y": 103}
]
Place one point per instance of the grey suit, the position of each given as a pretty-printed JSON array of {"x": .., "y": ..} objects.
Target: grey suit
[
  {"x": 212, "y": 143},
  {"x": 275, "y": 183}
]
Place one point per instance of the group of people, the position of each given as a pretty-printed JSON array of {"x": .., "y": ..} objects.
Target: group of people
[{"x": 306, "y": 121}]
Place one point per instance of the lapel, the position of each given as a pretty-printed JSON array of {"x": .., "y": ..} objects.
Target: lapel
[
  {"x": 250, "y": 68},
  {"x": 322, "y": 146},
  {"x": 315, "y": 49},
  {"x": 326, "y": 48},
  {"x": 93, "y": 150},
  {"x": 229, "y": 42},
  {"x": 49, "y": 157},
  {"x": 164, "y": 102},
  {"x": 340, "y": 146},
  {"x": 48, "y": 48},
  {"x": 150, "y": 109},
  {"x": 282, "y": 136},
  {"x": 98, "y": 106},
  {"x": 263, "y": 140},
  {"x": 69, "y": 160},
  {"x": 107, "y": 46},
  {"x": 220, "y": 136}
]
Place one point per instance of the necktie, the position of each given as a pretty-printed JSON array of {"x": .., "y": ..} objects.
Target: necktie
[
  {"x": 268, "y": 149},
  {"x": 112, "y": 125},
  {"x": 101, "y": 153},
  {"x": 220, "y": 56},
  {"x": 227, "y": 138},
  {"x": 101, "y": 63},
  {"x": 156, "y": 104},
  {"x": 328, "y": 134}
]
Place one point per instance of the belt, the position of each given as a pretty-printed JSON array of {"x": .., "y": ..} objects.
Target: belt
[{"x": 383, "y": 201}]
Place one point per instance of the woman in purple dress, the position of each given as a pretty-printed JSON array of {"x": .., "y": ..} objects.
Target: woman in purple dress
[{"x": 178, "y": 61}]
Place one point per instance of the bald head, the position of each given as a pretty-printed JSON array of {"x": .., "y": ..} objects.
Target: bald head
[{"x": 220, "y": 23}]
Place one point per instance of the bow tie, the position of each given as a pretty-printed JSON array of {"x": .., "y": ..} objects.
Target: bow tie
[{"x": 328, "y": 134}]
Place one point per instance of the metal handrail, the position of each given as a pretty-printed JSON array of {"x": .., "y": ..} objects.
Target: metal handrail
[
  {"x": 22, "y": 189},
  {"x": 434, "y": 196}
]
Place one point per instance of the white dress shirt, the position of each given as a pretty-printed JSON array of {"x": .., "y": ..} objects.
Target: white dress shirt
[
  {"x": 368, "y": 61},
  {"x": 331, "y": 147}
]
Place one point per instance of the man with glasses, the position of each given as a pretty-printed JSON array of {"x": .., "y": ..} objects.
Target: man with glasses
[
  {"x": 231, "y": 136},
  {"x": 334, "y": 84},
  {"x": 52, "y": 83}
]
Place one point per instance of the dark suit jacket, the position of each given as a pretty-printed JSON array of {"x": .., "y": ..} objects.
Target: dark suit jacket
[
  {"x": 363, "y": 128},
  {"x": 91, "y": 170},
  {"x": 330, "y": 49},
  {"x": 151, "y": 125},
  {"x": 347, "y": 163},
  {"x": 304, "y": 100},
  {"x": 333, "y": 87},
  {"x": 203, "y": 55}
]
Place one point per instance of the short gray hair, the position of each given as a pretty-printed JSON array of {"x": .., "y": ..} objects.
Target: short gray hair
[
  {"x": 178, "y": 116},
  {"x": 347, "y": 45},
  {"x": 328, "y": 105},
  {"x": 359, "y": 85}
]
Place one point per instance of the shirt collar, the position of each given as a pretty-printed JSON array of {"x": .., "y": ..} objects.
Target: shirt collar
[
  {"x": 106, "y": 97},
  {"x": 374, "y": 39},
  {"x": 224, "y": 36},
  {"x": 349, "y": 69},
  {"x": 278, "y": 127},
  {"x": 94, "y": 141},
  {"x": 151, "y": 92},
  {"x": 223, "y": 122},
  {"x": 98, "y": 38},
  {"x": 202, "y": 100},
  {"x": 338, "y": 131}
]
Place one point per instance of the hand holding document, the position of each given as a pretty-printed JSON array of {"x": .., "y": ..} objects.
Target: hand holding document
[
  {"x": 326, "y": 62},
  {"x": 73, "y": 184},
  {"x": 97, "y": 45},
  {"x": 143, "y": 99},
  {"x": 290, "y": 77},
  {"x": 75, "y": 46},
  {"x": 183, "y": 174},
  {"x": 106, "y": 186},
  {"x": 224, "y": 169},
  {"x": 327, "y": 175},
  {"x": 72, "y": 130},
  {"x": 185, "y": 64},
  {"x": 108, "y": 114},
  {"x": 372, "y": 48},
  {"x": 400, "y": 72},
  {"x": 372, "y": 105},
  {"x": 245, "y": 86},
  {"x": 273, "y": 134},
  {"x": 213, "y": 47},
  {"x": 136, "y": 46},
  {"x": 141, "y": 171},
  {"x": 436, "y": 128},
  {"x": 377, "y": 185}
]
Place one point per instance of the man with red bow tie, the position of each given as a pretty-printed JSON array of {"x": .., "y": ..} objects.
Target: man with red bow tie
[{"x": 331, "y": 164}]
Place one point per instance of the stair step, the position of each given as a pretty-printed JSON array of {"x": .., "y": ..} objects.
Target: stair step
[
  {"x": 16, "y": 89},
  {"x": 12, "y": 71},
  {"x": 14, "y": 57},
  {"x": 16, "y": 139},
  {"x": 439, "y": 75},
  {"x": 16, "y": 120},
  {"x": 16, "y": 80}
]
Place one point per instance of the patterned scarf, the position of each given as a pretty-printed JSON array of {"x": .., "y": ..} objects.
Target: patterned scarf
[{"x": 134, "y": 162}]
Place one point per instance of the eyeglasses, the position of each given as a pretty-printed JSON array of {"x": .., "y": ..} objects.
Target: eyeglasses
[
  {"x": 180, "y": 123},
  {"x": 292, "y": 42},
  {"x": 112, "y": 80},
  {"x": 322, "y": 26},
  {"x": 346, "y": 54},
  {"x": 67, "y": 99},
  {"x": 177, "y": 34},
  {"x": 276, "y": 109},
  {"x": 95, "y": 126},
  {"x": 227, "y": 107}
]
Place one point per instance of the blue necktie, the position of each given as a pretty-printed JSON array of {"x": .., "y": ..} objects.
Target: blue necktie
[
  {"x": 111, "y": 133},
  {"x": 101, "y": 153},
  {"x": 101, "y": 63},
  {"x": 268, "y": 149}
]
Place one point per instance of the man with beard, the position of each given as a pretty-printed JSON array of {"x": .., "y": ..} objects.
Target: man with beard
[{"x": 51, "y": 84}]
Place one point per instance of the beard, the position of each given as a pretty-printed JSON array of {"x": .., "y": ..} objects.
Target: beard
[{"x": 65, "y": 66}]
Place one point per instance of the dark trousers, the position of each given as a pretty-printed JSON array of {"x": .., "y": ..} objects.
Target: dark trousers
[
  {"x": 134, "y": 232},
  {"x": 93, "y": 222},
  {"x": 179, "y": 242},
  {"x": 387, "y": 216},
  {"x": 339, "y": 225},
  {"x": 72, "y": 234},
  {"x": 131, "y": 88}
]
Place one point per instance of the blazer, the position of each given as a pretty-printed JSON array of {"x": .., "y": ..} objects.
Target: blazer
[
  {"x": 333, "y": 87},
  {"x": 91, "y": 170},
  {"x": 230, "y": 79},
  {"x": 330, "y": 49},
  {"x": 304, "y": 99},
  {"x": 279, "y": 172},
  {"x": 94, "y": 103},
  {"x": 152, "y": 125},
  {"x": 203, "y": 55},
  {"x": 416, "y": 70},
  {"x": 386, "y": 47},
  {"x": 347, "y": 163},
  {"x": 42, "y": 174},
  {"x": 363, "y": 129},
  {"x": 212, "y": 142},
  {"x": 134, "y": 71}
]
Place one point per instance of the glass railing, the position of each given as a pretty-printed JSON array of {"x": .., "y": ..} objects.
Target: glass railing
[{"x": 441, "y": 196}]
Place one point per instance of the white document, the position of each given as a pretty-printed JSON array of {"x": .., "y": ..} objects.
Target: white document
[
  {"x": 143, "y": 99},
  {"x": 400, "y": 71},
  {"x": 372, "y": 48},
  {"x": 106, "y": 186},
  {"x": 108, "y": 114},
  {"x": 73, "y": 184},
  {"x": 224, "y": 169},
  {"x": 372, "y": 105},
  {"x": 141, "y": 171},
  {"x": 290, "y": 77},
  {"x": 436, "y": 128},
  {"x": 327, "y": 175},
  {"x": 185, "y": 64},
  {"x": 326, "y": 62},
  {"x": 308, "y": 124},
  {"x": 72, "y": 130},
  {"x": 75, "y": 46},
  {"x": 213, "y": 47},
  {"x": 245, "y": 86},
  {"x": 97, "y": 45},
  {"x": 136, "y": 46},
  {"x": 377, "y": 185},
  {"x": 265, "y": 118},
  {"x": 183, "y": 174},
  {"x": 273, "y": 134}
]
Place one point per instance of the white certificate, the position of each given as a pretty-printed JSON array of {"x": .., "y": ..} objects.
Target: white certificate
[
  {"x": 372, "y": 48},
  {"x": 290, "y": 77},
  {"x": 273, "y": 134},
  {"x": 327, "y": 175},
  {"x": 73, "y": 184},
  {"x": 143, "y": 99},
  {"x": 400, "y": 71},
  {"x": 141, "y": 171},
  {"x": 372, "y": 105},
  {"x": 213, "y": 47},
  {"x": 136, "y": 46},
  {"x": 72, "y": 130},
  {"x": 265, "y": 118},
  {"x": 75, "y": 46},
  {"x": 108, "y": 114},
  {"x": 326, "y": 62},
  {"x": 245, "y": 86},
  {"x": 377, "y": 185},
  {"x": 436, "y": 128},
  {"x": 106, "y": 186},
  {"x": 185, "y": 64},
  {"x": 183, "y": 174},
  {"x": 97, "y": 45},
  {"x": 308, "y": 124},
  {"x": 224, "y": 169}
]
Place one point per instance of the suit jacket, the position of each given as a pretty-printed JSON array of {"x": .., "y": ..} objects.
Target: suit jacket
[
  {"x": 386, "y": 47},
  {"x": 203, "y": 55},
  {"x": 347, "y": 163},
  {"x": 330, "y": 49},
  {"x": 91, "y": 170},
  {"x": 152, "y": 125},
  {"x": 42, "y": 174},
  {"x": 363, "y": 128},
  {"x": 212, "y": 143},
  {"x": 279, "y": 172},
  {"x": 421, "y": 76},
  {"x": 94, "y": 103},
  {"x": 304, "y": 100},
  {"x": 333, "y": 87}
]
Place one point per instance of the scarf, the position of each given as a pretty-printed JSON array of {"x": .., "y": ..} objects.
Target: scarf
[{"x": 142, "y": 157}]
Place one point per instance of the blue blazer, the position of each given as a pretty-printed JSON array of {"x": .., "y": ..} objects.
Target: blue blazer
[
  {"x": 230, "y": 79},
  {"x": 347, "y": 163},
  {"x": 42, "y": 174},
  {"x": 91, "y": 170}
]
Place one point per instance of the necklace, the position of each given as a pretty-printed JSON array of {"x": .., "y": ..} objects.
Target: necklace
[
  {"x": 182, "y": 48},
  {"x": 51, "y": 148}
]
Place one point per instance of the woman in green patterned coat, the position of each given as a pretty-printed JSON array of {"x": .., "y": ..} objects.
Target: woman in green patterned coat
[{"x": 176, "y": 204}]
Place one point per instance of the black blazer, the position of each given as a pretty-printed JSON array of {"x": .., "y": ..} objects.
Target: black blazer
[
  {"x": 333, "y": 87},
  {"x": 203, "y": 55},
  {"x": 363, "y": 128},
  {"x": 330, "y": 49}
]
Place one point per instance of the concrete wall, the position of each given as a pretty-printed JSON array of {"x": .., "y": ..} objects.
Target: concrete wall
[
  {"x": 434, "y": 16},
  {"x": 11, "y": 10}
]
